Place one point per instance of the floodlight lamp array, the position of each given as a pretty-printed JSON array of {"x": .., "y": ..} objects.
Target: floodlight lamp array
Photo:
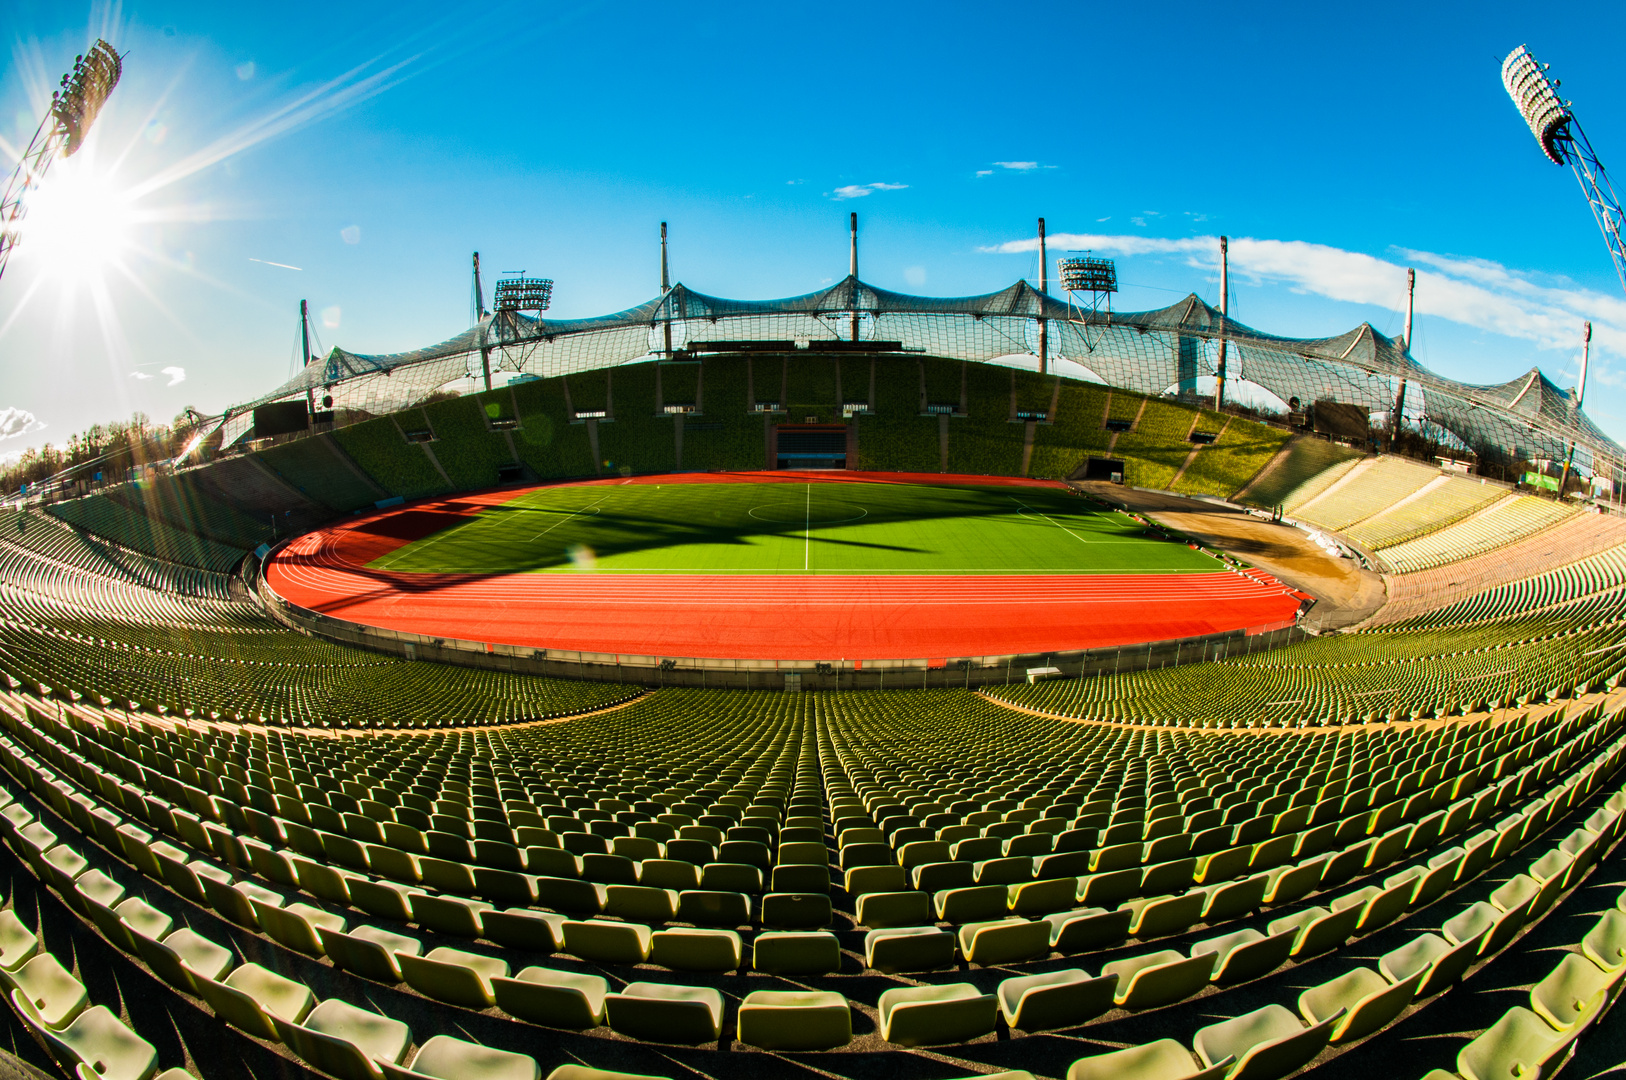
[
  {"x": 1081, "y": 273},
  {"x": 524, "y": 294},
  {"x": 1536, "y": 97},
  {"x": 83, "y": 92}
]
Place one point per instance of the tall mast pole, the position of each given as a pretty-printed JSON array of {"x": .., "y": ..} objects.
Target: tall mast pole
[
  {"x": 1044, "y": 290},
  {"x": 852, "y": 266},
  {"x": 1405, "y": 345},
  {"x": 1580, "y": 395},
  {"x": 479, "y": 315},
  {"x": 305, "y": 355},
  {"x": 666, "y": 287},
  {"x": 1224, "y": 305}
]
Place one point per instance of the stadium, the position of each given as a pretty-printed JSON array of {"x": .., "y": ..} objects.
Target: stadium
[{"x": 851, "y": 685}]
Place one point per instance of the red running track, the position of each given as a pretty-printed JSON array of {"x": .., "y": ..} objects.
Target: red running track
[{"x": 760, "y": 617}]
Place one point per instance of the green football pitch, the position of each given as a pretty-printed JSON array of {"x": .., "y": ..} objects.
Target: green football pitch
[{"x": 794, "y": 528}]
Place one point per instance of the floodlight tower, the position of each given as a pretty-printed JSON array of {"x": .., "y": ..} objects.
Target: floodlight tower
[
  {"x": 513, "y": 295},
  {"x": 1562, "y": 140},
  {"x": 1090, "y": 283},
  {"x": 74, "y": 107}
]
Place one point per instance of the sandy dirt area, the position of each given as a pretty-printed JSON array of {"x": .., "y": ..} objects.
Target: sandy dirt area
[{"x": 1346, "y": 593}]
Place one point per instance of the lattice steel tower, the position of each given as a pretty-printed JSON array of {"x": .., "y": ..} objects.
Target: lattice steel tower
[
  {"x": 75, "y": 105},
  {"x": 1562, "y": 140}
]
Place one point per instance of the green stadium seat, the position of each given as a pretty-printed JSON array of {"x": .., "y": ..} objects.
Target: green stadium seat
[
  {"x": 919, "y": 948},
  {"x": 1004, "y": 941},
  {"x": 446, "y": 1058},
  {"x": 931, "y": 1015},
  {"x": 1145, "y": 982},
  {"x": 1266, "y": 1043},
  {"x": 368, "y": 951},
  {"x": 1057, "y": 999},
  {"x": 1365, "y": 999},
  {"x": 251, "y": 995},
  {"x": 695, "y": 950},
  {"x": 98, "y": 1045},
  {"x": 51, "y": 996},
  {"x": 554, "y": 998},
  {"x": 453, "y": 976},
  {"x": 1573, "y": 994},
  {"x": 1518, "y": 1044},
  {"x": 345, "y": 1041},
  {"x": 795, "y": 1020},
  {"x": 607, "y": 942},
  {"x": 1246, "y": 954},
  {"x": 1162, "y": 1059},
  {"x": 662, "y": 1013},
  {"x": 784, "y": 952}
]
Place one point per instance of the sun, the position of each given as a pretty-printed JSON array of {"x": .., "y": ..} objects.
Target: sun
[{"x": 80, "y": 222}]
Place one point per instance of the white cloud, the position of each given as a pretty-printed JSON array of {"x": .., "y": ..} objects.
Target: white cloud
[
  {"x": 858, "y": 191},
  {"x": 245, "y": 71},
  {"x": 350, "y": 234},
  {"x": 1486, "y": 295},
  {"x": 140, "y": 375},
  {"x": 915, "y": 276},
  {"x": 985, "y": 172},
  {"x": 15, "y": 422},
  {"x": 330, "y": 317},
  {"x": 177, "y": 375},
  {"x": 1018, "y": 166}
]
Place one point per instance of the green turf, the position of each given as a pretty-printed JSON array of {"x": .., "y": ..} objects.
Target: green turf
[{"x": 796, "y": 528}]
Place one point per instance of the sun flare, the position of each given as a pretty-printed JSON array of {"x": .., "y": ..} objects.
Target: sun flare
[{"x": 80, "y": 222}]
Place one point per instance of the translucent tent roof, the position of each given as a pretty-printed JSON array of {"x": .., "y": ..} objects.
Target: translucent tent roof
[{"x": 1152, "y": 352}]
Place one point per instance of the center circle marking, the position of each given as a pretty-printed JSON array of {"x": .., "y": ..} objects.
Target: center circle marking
[{"x": 803, "y": 519}]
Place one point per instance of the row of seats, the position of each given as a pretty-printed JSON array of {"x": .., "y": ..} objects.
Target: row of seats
[
  {"x": 38, "y": 535},
  {"x": 1564, "y": 1005},
  {"x": 927, "y": 1015},
  {"x": 624, "y": 942},
  {"x": 1369, "y": 489},
  {"x": 1574, "y": 538},
  {"x": 1601, "y": 577},
  {"x": 1508, "y": 521},
  {"x": 1442, "y": 501},
  {"x": 1356, "y": 678}
]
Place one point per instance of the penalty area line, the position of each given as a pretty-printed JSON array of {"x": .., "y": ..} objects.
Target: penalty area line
[
  {"x": 564, "y": 519},
  {"x": 1048, "y": 518}
]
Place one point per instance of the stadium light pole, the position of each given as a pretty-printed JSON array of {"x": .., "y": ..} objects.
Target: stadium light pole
[
  {"x": 1044, "y": 290},
  {"x": 666, "y": 287},
  {"x": 1558, "y": 131},
  {"x": 1405, "y": 344},
  {"x": 1580, "y": 395},
  {"x": 74, "y": 108},
  {"x": 305, "y": 358},
  {"x": 852, "y": 267},
  {"x": 1224, "y": 307},
  {"x": 479, "y": 316}
]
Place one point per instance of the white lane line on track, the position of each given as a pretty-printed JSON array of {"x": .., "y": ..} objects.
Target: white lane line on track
[{"x": 807, "y": 528}]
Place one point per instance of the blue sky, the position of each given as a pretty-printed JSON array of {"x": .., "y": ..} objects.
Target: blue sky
[{"x": 374, "y": 146}]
